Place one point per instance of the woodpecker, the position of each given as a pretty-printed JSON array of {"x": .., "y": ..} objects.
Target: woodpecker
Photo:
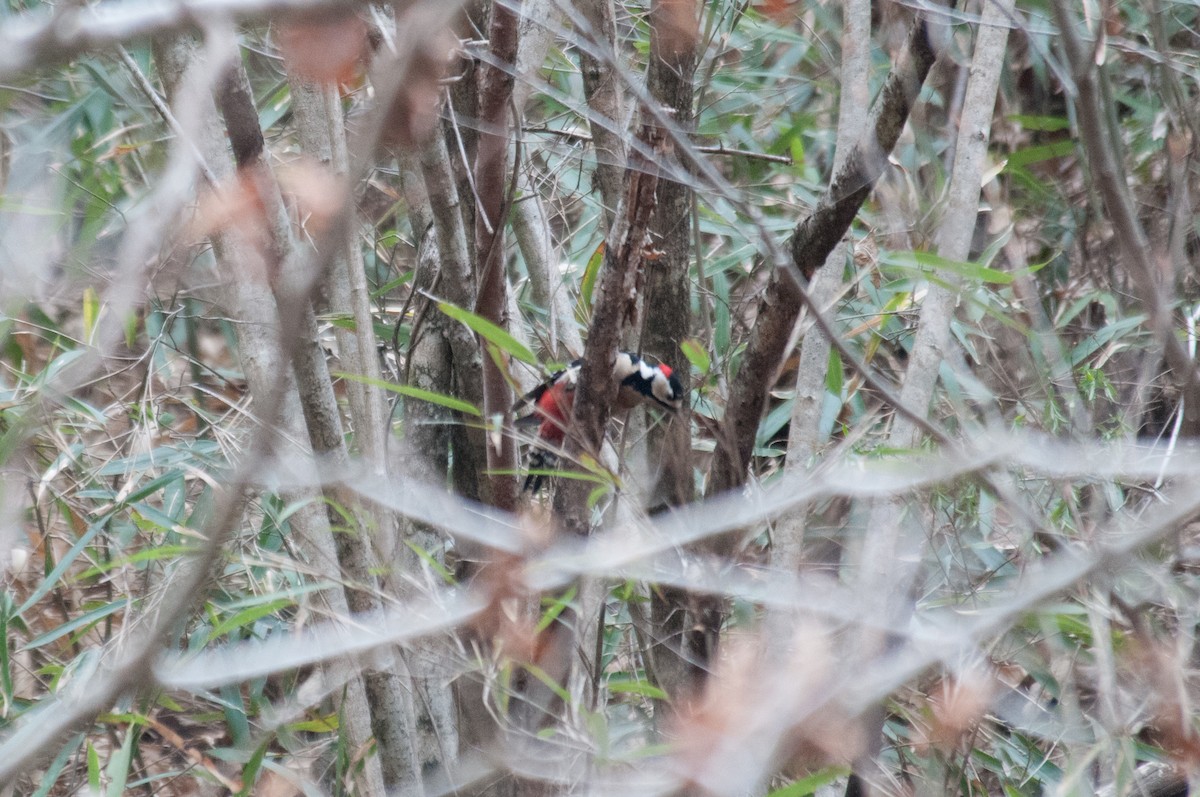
[{"x": 554, "y": 399}]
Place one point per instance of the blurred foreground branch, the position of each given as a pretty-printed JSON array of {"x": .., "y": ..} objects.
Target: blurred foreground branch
[{"x": 42, "y": 40}]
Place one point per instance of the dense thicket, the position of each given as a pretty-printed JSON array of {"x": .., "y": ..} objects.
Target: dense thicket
[{"x": 273, "y": 274}]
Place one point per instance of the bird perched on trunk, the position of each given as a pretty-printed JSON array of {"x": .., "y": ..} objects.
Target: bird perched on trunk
[{"x": 553, "y": 400}]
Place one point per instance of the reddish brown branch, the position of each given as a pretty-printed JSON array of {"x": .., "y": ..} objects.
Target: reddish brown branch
[{"x": 814, "y": 238}]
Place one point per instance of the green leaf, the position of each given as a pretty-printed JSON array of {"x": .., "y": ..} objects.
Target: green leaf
[
  {"x": 809, "y": 784},
  {"x": 388, "y": 287},
  {"x": 118, "y": 766},
  {"x": 643, "y": 688},
  {"x": 183, "y": 455},
  {"x": 722, "y": 322},
  {"x": 247, "y": 616},
  {"x": 774, "y": 422},
  {"x": 835, "y": 377},
  {"x": 1041, "y": 152},
  {"x": 341, "y": 321},
  {"x": 50, "y": 776},
  {"x": 696, "y": 354},
  {"x": 927, "y": 262},
  {"x": 555, "y": 608},
  {"x": 489, "y": 332},
  {"x": 434, "y": 565},
  {"x": 93, "y": 768},
  {"x": 51, "y": 581},
  {"x": 551, "y": 683},
  {"x": 590, "y": 274},
  {"x": 91, "y": 311},
  {"x": 6, "y": 681},
  {"x": 449, "y": 402},
  {"x": 153, "y": 486},
  {"x": 596, "y": 495},
  {"x": 250, "y": 770},
  {"x": 319, "y": 725},
  {"x": 144, "y": 555},
  {"x": 82, "y": 621},
  {"x": 796, "y": 146},
  {"x": 132, "y": 322}
]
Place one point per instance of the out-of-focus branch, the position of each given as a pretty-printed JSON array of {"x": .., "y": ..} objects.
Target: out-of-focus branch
[
  {"x": 127, "y": 671},
  {"x": 882, "y": 570},
  {"x": 812, "y": 241},
  {"x": 34, "y": 739},
  {"x": 804, "y": 433},
  {"x": 1100, "y": 143},
  {"x": 35, "y": 41},
  {"x": 372, "y": 702},
  {"x": 937, "y": 634}
]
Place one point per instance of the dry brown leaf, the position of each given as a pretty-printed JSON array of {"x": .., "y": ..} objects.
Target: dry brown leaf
[
  {"x": 192, "y": 754},
  {"x": 764, "y": 709},
  {"x": 1157, "y": 667},
  {"x": 316, "y": 192},
  {"x": 328, "y": 49},
  {"x": 677, "y": 28},
  {"x": 413, "y": 112},
  {"x": 956, "y": 705},
  {"x": 782, "y": 11}
]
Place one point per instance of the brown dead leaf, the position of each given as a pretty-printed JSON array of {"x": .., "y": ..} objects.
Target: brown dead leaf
[
  {"x": 506, "y": 622},
  {"x": 1157, "y": 667},
  {"x": 413, "y": 113},
  {"x": 781, "y": 11},
  {"x": 239, "y": 207},
  {"x": 766, "y": 709},
  {"x": 192, "y": 754},
  {"x": 328, "y": 49},
  {"x": 956, "y": 705},
  {"x": 316, "y": 192},
  {"x": 676, "y": 29},
  {"x": 237, "y": 203}
]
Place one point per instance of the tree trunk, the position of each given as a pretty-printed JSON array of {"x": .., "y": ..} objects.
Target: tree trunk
[
  {"x": 679, "y": 664},
  {"x": 493, "y": 183},
  {"x": 249, "y": 298}
]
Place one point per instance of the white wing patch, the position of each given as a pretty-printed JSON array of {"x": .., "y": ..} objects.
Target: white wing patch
[{"x": 625, "y": 365}]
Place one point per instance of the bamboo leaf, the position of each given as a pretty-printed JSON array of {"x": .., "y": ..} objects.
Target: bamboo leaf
[
  {"x": 810, "y": 783},
  {"x": 929, "y": 262},
  {"x": 696, "y": 354},
  {"x": 442, "y": 400},
  {"x": 82, "y": 621},
  {"x": 490, "y": 332},
  {"x": 591, "y": 274},
  {"x": 118, "y": 766},
  {"x": 91, "y": 311},
  {"x": 643, "y": 688},
  {"x": 246, "y": 617}
]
